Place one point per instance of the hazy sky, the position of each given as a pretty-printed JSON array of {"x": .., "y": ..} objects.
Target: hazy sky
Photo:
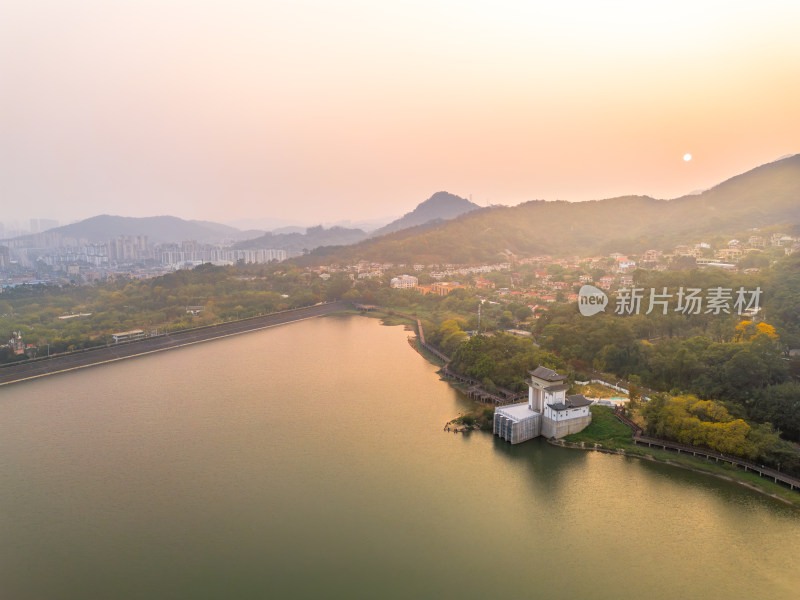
[{"x": 316, "y": 111}]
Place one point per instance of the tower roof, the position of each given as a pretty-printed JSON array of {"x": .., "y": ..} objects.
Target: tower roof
[
  {"x": 547, "y": 374},
  {"x": 576, "y": 401}
]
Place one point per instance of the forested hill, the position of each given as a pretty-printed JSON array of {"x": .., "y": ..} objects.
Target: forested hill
[
  {"x": 439, "y": 207},
  {"x": 767, "y": 195},
  {"x": 302, "y": 242},
  {"x": 159, "y": 230}
]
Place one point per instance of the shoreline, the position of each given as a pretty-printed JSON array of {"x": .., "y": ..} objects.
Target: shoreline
[
  {"x": 110, "y": 354},
  {"x": 696, "y": 469},
  {"x": 644, "y": 454}
]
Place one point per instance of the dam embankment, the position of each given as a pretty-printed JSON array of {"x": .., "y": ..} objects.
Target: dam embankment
[{"x": 59, "y": 363}]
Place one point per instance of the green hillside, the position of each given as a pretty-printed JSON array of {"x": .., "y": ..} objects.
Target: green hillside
[
  {"x": 767, "y": 195},
  {"x": 301, "y": 242},
  {"x": 439, "y": 207}
]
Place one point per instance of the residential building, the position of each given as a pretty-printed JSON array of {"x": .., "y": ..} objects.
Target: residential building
[
  {"x": 781, "y": 239},
  {"x": 606, "y": 282},
  {"x": 442, "y": 288},
  {"x": 651, "y": 255},
  {"x": 729, "y": 254},
  {"x": 404, "y": 282},
  {"x": 625, "y": 264}
]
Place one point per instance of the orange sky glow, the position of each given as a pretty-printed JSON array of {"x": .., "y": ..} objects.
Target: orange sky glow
[{"x": 316, "y": 111}]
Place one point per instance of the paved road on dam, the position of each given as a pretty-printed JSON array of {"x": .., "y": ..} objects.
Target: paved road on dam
[{"x": 76, "y": 360}]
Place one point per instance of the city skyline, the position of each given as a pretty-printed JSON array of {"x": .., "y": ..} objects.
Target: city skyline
[{"x": 309, "y": 112}]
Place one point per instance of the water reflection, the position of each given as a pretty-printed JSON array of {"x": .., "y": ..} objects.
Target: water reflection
[{"x": 317, "y": 449}]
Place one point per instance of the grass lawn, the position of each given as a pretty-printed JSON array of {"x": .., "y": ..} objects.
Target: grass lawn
[{"x": 605, "y": 429}]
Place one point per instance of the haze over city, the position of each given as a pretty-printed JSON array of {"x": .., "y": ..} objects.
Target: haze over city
[{"x": 313, "y": 111}]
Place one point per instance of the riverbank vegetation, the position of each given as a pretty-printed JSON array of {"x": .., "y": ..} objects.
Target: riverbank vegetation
[
  {"x": 76, "y": 317},
  {"x": 501, "y": 360},
  {"x": 708, "y": 424},
  {"x": 739, "y": 363},
  {"x": 725, "y": 381},
  {"x": 737, "y": 360},
  {"x": 607, "y": 433}
]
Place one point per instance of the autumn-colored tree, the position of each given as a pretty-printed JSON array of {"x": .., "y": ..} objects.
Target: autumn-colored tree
[{"x": 748, "y": 330}]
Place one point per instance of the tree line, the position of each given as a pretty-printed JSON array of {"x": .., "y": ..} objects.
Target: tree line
[
  {"x": 707, "y": 423},
  {"x": 740, "y": 361},
  {"x": 160, "y": 303}
]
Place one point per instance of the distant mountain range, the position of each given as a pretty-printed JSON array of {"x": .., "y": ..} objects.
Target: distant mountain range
[
  {"x": 447, "y": 228},
  {"x": 159, "y": 230},
  {"x": 167, "y": 229},
  {"x": 435, "y": 210},
  {"x": 766, "y": 196},
  {"x": 305, "y": 242},
  {"x": 287, "y": 226}
]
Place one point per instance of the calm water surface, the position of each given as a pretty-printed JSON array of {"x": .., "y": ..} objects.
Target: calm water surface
[{"x": 309, "y": 461}]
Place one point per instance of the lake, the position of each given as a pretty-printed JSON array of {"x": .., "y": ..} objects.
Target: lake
[{"x": 309, "y": 461}]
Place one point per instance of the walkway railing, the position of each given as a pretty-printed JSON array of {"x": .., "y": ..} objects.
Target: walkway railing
[{"x": 638, "y": 438}]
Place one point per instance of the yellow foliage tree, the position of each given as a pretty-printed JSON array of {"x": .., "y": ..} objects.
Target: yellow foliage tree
[
  {"x": 768, "y": 330},
  {"x": 747, "y": 331},
  {"x": 707, "y": 423}
]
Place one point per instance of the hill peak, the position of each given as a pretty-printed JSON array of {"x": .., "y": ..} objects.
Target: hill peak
[
  {"x": 441, "y": 198},
  {"x": 441, "y": 206}
]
